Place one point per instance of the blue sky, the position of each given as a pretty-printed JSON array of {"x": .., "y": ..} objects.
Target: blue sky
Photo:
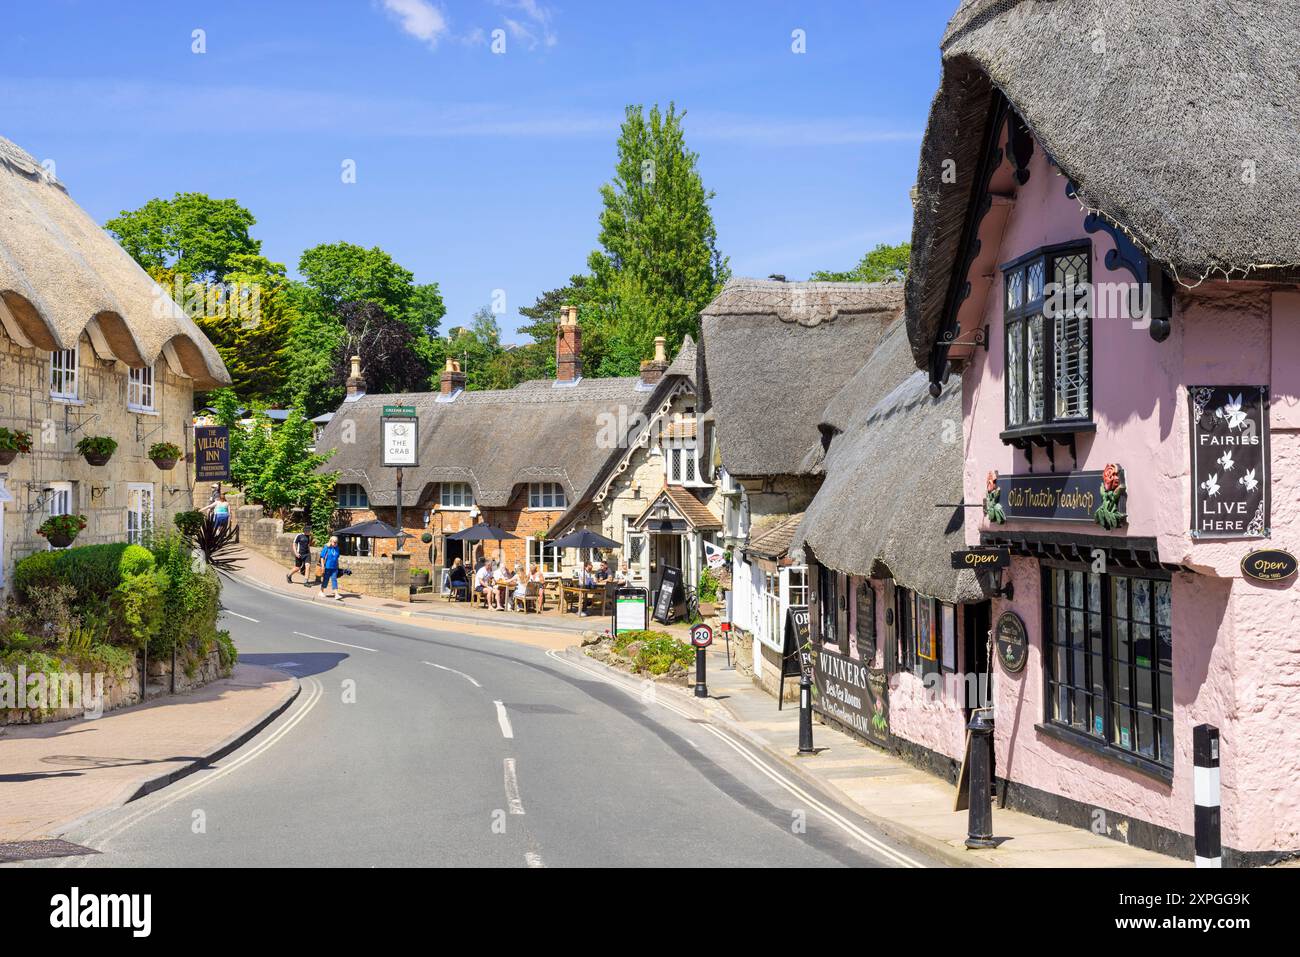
[{"x": 478, "y": 170}]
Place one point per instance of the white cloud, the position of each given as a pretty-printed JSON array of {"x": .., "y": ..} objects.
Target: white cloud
[
  {"x": 419, "y": 18},
  {"x": 538, "y": 28}
]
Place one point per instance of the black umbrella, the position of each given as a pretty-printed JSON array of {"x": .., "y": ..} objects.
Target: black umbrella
[
  {"x": 482, "y": 532},
  {"x": 372, "y": 529},
  {"x": 585, "y": 539}
]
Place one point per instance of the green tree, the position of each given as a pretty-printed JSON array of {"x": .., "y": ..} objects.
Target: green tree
[
  {"x": 338, "y": 273},
  {"x": 658, "y": 265},
  {"x": 880, "y": 264},
  {"x": 191, "y": 234},
  {"x": 478, "y": 347}
]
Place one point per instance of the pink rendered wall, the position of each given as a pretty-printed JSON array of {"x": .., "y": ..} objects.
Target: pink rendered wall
[{"x": 1237, "y": 650}]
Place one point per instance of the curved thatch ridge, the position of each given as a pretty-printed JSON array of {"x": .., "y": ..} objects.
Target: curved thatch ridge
[
  {"x": 894, "y": 461},
  {"x": 1152, "y": 108},
  {"x": 61, "y": 275},
  {"x": 772, "y": 353}
]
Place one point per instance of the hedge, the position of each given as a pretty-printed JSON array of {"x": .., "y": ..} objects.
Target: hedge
[{"x": 94, "y": 570}]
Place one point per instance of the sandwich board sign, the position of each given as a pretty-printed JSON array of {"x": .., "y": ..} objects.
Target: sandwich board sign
[{"x": 630, "y": 606}]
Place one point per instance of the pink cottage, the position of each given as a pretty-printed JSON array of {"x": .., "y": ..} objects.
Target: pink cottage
[{"x": 1107, "y": 251}]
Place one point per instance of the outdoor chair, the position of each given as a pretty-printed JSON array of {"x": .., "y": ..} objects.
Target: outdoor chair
[
  {"x": 457, "y": 591},
  {"x": 533, "y": 596}
]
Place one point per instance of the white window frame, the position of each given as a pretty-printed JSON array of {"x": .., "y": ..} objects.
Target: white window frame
[
  {"x": 355, "y": 497},
  {"x": 5, "y": 496},
  {"x": 458, "y": 496},
  {"x": 544, "y": 555},
  {"x": 796, "y": 577},
  {"x": 136, "y": 493},
  {"x": 59, "y": 500},
  {"x": 677, "y": 454},
  {"x": 61, "y": 372},
  {"x": 547, "y": 495},
  {"x": 140, "y": 389}
]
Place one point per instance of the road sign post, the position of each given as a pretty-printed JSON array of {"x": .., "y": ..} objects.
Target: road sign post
[
  {"x": 399, "y": 430},
  {"x": 701, "y": 638}
]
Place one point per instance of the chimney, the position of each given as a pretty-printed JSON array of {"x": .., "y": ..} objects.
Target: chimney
[
  {"x": 568, "y": 347},
  {"x": 453, "y": 380},
  {"x": 356, "y": 384},
  {"x": 652, "y": 370}
]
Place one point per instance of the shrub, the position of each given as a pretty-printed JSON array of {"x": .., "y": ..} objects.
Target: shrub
[
  {"x": 93, "y": 570},
  {"x": 165, "y": 450},
  {"x": 708, "y": 586},
  {"x": 189, "y": 523},
  {"x": 226, "y": 650},
  {"x": 16, "y": 441},
  {"x": 97, "y": 445},
  {"x": 658, "y": 655},
  {"x": 190, "y": 602},
  {"x": 138, "y": 608}
]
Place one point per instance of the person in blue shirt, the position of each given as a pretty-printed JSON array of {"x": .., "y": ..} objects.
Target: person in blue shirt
[{"x": 329, "y": 566}]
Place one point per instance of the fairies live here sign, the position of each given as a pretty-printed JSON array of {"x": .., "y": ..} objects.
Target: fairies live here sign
[{"x": 1230, "y": 465}]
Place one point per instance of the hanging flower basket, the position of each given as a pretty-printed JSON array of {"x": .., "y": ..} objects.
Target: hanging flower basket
[
  {"x": 165, "y": 455},
  {"x": 13, "y": 443},
  {"x": 97, "y": 449},
  {"x": 61, "y": 530}
]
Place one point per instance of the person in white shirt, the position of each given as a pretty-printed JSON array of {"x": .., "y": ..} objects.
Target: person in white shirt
[{"x": 483, "y": 582}]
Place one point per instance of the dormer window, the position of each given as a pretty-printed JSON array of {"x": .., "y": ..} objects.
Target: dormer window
[{"x": 1048, "y": 329}]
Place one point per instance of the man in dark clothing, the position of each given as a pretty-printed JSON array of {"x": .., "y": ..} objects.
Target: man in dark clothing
[{"x": 301, "y": 557}]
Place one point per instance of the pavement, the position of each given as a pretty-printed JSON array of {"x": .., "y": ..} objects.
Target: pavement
[
  {"x": 902, "y": 801},
  {"x": 56, "y": 776}
]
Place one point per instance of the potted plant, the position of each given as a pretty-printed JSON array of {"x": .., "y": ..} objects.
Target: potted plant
[
  {"x": 165, "y": 455},
  {"x": 97, "y": 449},
  {"x": 61, "y": 530},
  {"x": 420, "y": 577},
  {"x": 11, "y": 443}
]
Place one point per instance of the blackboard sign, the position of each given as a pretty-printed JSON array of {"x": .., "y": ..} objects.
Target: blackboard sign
[
  {"x": 1230, "y": 461},
  {"x": 852, "y": 693},
  {"x": 795, "y": 646},
  {"x": 664, "y": 600},
  {"x": 1052, "y": 496},
  {"x": 211, "y": 453}
]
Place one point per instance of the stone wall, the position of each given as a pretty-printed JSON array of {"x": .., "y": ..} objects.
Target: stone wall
[{"x": 385, "y": 577}]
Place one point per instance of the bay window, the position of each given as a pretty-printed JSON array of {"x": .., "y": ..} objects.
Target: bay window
[{"x": 1048, "y": 340}]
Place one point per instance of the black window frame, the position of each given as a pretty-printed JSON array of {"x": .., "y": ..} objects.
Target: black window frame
[
  {"x": 1019, "y": 316},
  {"x": 1109, "y": 742}
]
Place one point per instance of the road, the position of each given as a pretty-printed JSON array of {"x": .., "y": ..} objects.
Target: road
[{"x": 410, "y": 746}]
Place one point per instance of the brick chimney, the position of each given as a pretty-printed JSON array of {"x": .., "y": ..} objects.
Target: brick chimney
[
  {"x": 453, "y": 380},
  {"x": 652, "y": 370},
  {"x": 356, "y": 385},
  {"x": 568, "y": 347}
]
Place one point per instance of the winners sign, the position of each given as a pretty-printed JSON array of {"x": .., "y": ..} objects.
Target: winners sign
[
  {"x": 1230, "y": 461},
  {"x": 400, "y": 438}
]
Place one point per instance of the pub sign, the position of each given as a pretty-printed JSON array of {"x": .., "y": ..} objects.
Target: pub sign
[
  {"x": 1230, "y": 461},
  {"x": 211, "y": 453}
]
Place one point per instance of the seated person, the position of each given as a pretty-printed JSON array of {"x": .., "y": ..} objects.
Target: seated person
[
  {"x": 624, "y": 575},
  {"x": 602, "y": 572},
  {"x": 483, "y": 583},
  {"x": 458, "y": 578}
]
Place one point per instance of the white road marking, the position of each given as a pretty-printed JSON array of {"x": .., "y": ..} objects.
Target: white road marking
[
  {"x": 227, "y": 611},
  {"x": 315, "y": 692},
  {"x": 512, "y": 788},
  {"x": 835, "y": 817},
  {"x": 533, "y": 859},
  {"x": 303, "y": 634},
  {"x": 455, "y": 672},
  {"x": 503, "y": 719}
]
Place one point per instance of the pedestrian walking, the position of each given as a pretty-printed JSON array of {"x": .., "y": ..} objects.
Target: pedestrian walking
[
  {"x": 220, "y": 510},
  {"x": 329, "y": 568},
  {"x": 301, "y": 557}
]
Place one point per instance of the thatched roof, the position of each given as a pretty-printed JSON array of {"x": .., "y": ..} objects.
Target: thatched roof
[
  {"x": 893, "y": 463},
  {"x": 771, "y": 355},
  {"x": 61, "y": 275},
  {"x": 771, "y": 535},
  {"x": 1152, "y": 108},
  {"x": 496, "y": 440}
]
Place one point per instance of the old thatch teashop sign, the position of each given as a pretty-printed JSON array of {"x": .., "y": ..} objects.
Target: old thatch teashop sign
[
  {"x": 1095, "y": 497},
  {"x": 1230, "y": 462}
]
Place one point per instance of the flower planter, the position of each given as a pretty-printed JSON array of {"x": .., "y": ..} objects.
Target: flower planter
[
  {"x": 97, "y": 459},
  {"x": 420, "y": 579},
  {"x": 7, "y": 456},
  {"x": 165, "y": 464},
  {"x": 60, "y": 540}
]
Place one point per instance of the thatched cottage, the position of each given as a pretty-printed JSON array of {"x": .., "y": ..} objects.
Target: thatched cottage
[
  {"x": 520, "y": 459},
  {"x": 772, "y": 354},
  {"x": 91, "y": 347},
  {"x": 1106, "y": 268}
]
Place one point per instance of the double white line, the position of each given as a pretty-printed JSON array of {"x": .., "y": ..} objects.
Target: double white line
[
  {"x": 839, "y": 820},
  {"x": 314, "y": 693}
]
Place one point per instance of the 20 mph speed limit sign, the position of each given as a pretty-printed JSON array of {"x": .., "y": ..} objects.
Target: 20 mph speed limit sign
[{"x": 701, "y": 636}]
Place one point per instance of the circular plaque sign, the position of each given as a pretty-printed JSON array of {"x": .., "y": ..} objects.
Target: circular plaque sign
[{"x": 1011, "y": 642}]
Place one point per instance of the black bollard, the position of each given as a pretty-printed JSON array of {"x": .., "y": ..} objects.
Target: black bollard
[
  {"x": 701, "y": 687},
  {"x": 805, "y": 714},
  {"x": 980, "y": 821}
]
